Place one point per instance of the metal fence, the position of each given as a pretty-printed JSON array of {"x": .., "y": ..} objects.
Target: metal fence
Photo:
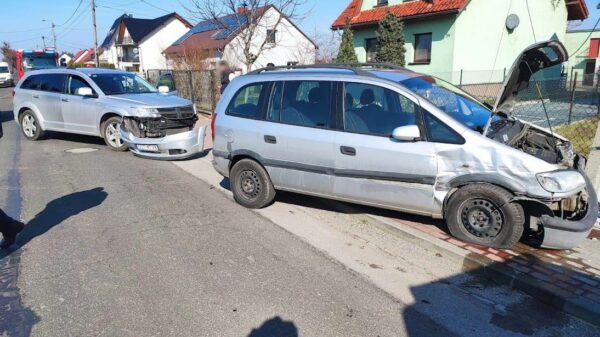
[
  {"x": 572, "y": 104},
  {"x": 199, "y": 86}
]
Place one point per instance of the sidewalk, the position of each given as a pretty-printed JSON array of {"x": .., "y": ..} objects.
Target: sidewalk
[{"x": 568, "y": 279}]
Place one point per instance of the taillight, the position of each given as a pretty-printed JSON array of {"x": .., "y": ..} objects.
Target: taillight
[
  {"x": 212, "y": 126},
  {"x": 13, "y": 93}
]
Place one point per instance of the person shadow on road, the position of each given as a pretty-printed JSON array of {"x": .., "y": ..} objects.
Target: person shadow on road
[
  {"x": 275, "y": 327},
  {"x": 57, "y": 211}
]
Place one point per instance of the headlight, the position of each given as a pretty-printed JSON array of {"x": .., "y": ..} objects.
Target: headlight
[
  {"x": 561, "y": 181},
  {"x": 146, "y": 112}
]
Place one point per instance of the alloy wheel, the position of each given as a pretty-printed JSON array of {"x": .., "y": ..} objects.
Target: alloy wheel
[{"x": 29, "y": 126}]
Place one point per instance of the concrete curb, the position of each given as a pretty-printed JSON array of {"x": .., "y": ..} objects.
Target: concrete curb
[{"x": 580, "y": 307}]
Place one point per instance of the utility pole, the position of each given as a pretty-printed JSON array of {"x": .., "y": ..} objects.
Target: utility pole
[
  {"x": 52, "y": 26},
  {"x": 54, "y": 35},
  {"x": 95, "y": 34}
]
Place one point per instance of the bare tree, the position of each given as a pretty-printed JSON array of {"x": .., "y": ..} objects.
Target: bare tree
[
  {"x": 254, "y": 32},
  {"x": 8, "y": 54},
  {"x": 329, "y": 44}
]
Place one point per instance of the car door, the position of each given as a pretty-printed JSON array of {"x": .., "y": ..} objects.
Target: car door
[
  {"x": 373, "y": 168},
  {"x": 47, "y": 100},
  {"x": 296, "y": 138},
  {"x": 80, "y": 113}
]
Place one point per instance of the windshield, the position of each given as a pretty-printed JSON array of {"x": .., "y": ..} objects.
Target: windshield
[
  {"x": 3, "y": 70},
  {"x": 34, "y": 63},
  {"x": 450, "y": 99},
  {"x": 122, "y": 83}
]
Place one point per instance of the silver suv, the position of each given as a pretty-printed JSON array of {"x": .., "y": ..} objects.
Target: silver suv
[
  {"x": 118, "y": 106},
  {"x": 396, "y": 139}
]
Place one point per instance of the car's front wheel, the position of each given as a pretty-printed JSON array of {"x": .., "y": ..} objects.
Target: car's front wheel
[
  {"x": 251, "y": 185},
  {"x": 30, "y": 126},
  {"x": 483, "y": 214},
  {"x": 110, "y": 133}
]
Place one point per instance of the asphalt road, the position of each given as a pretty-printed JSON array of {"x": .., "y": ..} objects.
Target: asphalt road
[{"x": 120, "y": 246}]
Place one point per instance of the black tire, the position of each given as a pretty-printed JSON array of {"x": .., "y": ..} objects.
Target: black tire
[
  {"x": 108, "y": 133},
  {"x": 483, "y": 214},
  {"x": 32, "y": 130},
  {"x": 251, "y": 185}
]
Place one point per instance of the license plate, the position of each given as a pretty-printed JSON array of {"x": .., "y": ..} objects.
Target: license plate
[{"x": 148, "y": 148}]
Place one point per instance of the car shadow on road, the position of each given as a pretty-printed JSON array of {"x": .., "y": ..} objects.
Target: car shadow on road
[
  {"x": 71, "y": 137},
  {"x": 498, "y": 286},
  {"x": 57, "y": 211},
  {"x": 275, "y": 327}
]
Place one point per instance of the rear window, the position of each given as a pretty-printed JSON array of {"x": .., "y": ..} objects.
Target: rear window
[
  {"x": 52, "y": 82},
  {"x": 32, "y": 82},
  {"x": 247, "y": 101}
]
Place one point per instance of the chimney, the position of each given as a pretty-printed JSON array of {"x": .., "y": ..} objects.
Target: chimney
[{"x": 243, "y": 9}]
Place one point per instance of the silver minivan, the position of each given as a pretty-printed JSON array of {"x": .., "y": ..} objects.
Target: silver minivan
[
  {"x": 400, "y": 140},
  {"x": 122, "y": 108}
]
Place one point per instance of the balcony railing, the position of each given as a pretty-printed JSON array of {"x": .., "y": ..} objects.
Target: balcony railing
[{"x": 133, "y": 59}]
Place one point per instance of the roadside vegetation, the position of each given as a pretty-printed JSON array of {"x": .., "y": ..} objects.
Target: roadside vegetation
[{"x": 581, "y": 133}]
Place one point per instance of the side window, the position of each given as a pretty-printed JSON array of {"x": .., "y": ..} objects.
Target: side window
[
  {"x": 438, "y": 132},
  {"x": 246, "y": 102},
  {"x": 75, "y": 82},
  {"x": 52, "y": 83},
  {"x": 375, "y": 110},
  {"x": 32, "y": 82},
  {"x": 274, "y": 110},
  {"x": 167, "y": 81},
  {"x": 305, "y": 103}
]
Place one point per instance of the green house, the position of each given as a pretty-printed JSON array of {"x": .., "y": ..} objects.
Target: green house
[
  {"x": 462, "y": 41},
  {"x": 584, "y": 48}
]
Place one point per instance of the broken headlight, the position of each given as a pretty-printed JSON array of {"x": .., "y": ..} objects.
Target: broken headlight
[
  {"x": 146, "y": 112},
  {"x": 561, "y": 181}
]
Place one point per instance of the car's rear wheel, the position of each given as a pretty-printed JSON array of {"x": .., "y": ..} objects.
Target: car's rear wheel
[
  {"x": 110, "y": 133},
  {"x": 30, "y": 126},
  {"x": 251, "y": 185},
  {"x": 483, "y": 214}
]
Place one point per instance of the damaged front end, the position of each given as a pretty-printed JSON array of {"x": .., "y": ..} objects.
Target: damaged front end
[{"x": 170, "y": 134}]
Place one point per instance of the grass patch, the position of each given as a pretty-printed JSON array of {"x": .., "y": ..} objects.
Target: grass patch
[{"x": 581, "y": 134}]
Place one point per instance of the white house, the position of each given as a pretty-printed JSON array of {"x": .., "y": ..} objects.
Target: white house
[
  {"x": 274, "y": 39},
  {"x": 137, "y": 45},
  {"x": 64, "y": 59}
]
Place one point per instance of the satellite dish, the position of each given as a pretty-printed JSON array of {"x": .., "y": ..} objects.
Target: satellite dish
[{"x": 512, "y": 22}]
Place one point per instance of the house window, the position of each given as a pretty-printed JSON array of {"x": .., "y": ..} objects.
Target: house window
[
  {"x": 271, "y": 36},
  {"x": 422, "y": 48},
  {"x": 381, "y": 3},
  {"x": 371, "y": 47}
]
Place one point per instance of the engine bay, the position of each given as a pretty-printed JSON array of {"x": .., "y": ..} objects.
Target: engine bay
[
  {"x": 533, "y": 140},
  {"x": 170, "y": 122}
]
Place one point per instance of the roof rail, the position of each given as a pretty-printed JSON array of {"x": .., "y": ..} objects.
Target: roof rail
[{"x": 357, "y": 68}]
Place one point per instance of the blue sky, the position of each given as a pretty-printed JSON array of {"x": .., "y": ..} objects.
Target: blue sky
[{"x": 21, "y": 20}]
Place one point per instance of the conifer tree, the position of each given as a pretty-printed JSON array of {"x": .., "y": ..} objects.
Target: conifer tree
[
  {"x": 390, "y": 41},
  {"x": 347, "y": 53}
]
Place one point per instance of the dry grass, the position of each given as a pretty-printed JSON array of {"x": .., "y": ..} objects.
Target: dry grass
[{"x": 581, "y": 134}]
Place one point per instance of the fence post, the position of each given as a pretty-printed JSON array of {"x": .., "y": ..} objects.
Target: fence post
[
  {"x": 191, "y": 83},
  {"x": 572, "y": 98},
  {"x": 461, "y": 79},
  {"x": 503, "y": 74},
  {"x": 213, "y": 90}
]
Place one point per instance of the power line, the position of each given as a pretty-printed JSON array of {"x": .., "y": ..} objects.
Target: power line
[
  {"x": 74, "y": 12},
  {"x": 153, "y": 6}
]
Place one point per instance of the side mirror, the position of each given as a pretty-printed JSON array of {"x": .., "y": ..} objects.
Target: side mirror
[
  {"x": 163, "y": 89},
  {"x": 408, "y": 133},
  {"x": 85, "y": 92}
]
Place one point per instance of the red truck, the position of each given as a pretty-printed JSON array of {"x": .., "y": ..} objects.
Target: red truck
[{"x": 35, "y": 60}]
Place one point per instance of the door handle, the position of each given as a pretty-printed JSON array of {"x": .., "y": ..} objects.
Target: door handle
[
  {"x": 36, "y": 96},
  {"x": 348, "y": 151},
  {"x": 64, "y": 99},
  {"x": 270, "y": 139}
]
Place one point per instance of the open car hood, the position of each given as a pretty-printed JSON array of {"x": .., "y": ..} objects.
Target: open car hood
[{"x": 533, "y": 59}]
